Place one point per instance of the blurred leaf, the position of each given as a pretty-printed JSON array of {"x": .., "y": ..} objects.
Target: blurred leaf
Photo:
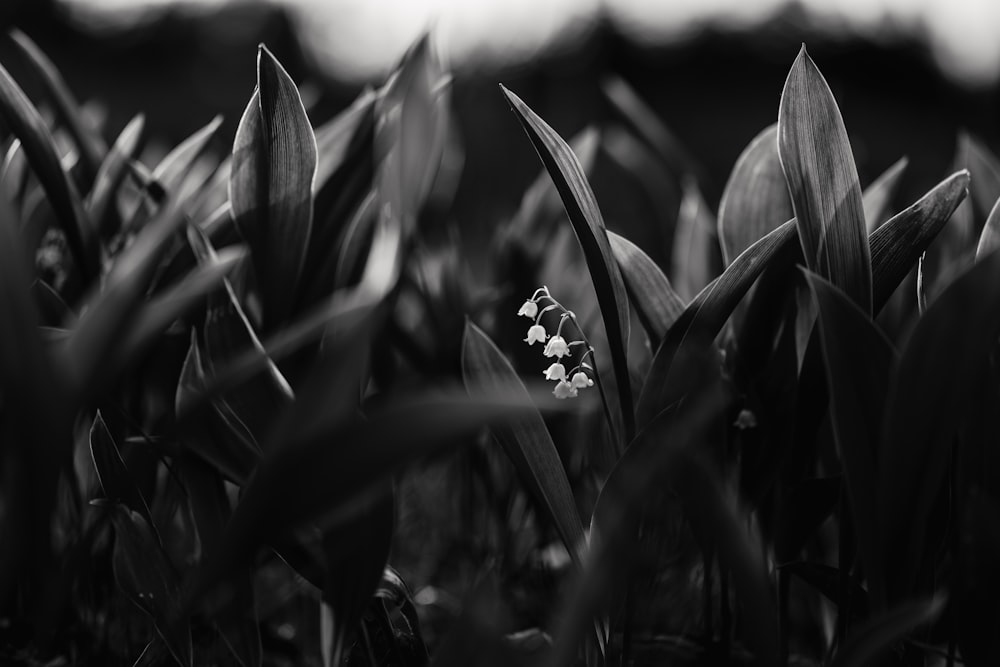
[
  {"x": 945, "y": 351},
  {"x": 170, "y": 173},
  {"x": 26, "y": 124},
  {"x": 826, "y": 580},
  {"x": 100, "y": 201},
  {"x": 823, "y": 182},
  {"x": 88, "y": 141},
  {"x": 15, "y": 176},
  {"x": 53, "y": 310},
  {"x": 144, "y": 573},
  {"x": 897, "y": 245},
  {"x": 755, "y": 200},
  {"x": 117, "y": 482},
  {"x": 354, "y": 242},
  {"x": 93, "y": 344},
  {"x": 337, "y": 138},
  {"x": 646, "y": 123},
  {"x": 985, "y": 169},
  {"x": 705, "y": 316},
  {"x": 867, "y": 642},
  {"x": 858, "y": 361},
  {"x": 526, "y": 440},
  {"x": 877, "y": 197},
  {"x": 989, "y": 240},
  {"x": 155, "y": 316},
  {"x": 302, "y": 482},
  {"x": 270, "y": 187},
  {"x": 578, "y": 198},
  {"x": 206, "y": 495},
  {"x": 356, "y": 554},
  {"x": 656, "y": 302},
  {"x": 409, "y": 134},
  {"x": 695, "y": 241},
  {"x": 219, "y": 437}
]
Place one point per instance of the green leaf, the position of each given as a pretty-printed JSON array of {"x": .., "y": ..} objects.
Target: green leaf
[
  {"x": 270, "y": 187},
  {"x": 989, "y": 240},
  {"x": 823, "y": 182},
  {"x": 705, "y": 316},
  {"x": 578, "y": 198},
  {"x": 116, "y": 480},
  {"x": 101, "y": 199},
  {"x": 654, "y": 298},
  {"x": 877, "y": 197},
  {"x": 945, "y": 351},
  {"x": 693, "y": 262},
  {"x": 898, "y": 244},
  {"x": 858, "y": 360},
  {"x": 755, "y": 200},
  {"x": 144, "y": 573},
  {"x": 27, "y": 125},
  {"x": 88, "y": 141},
  {"x": 866, "y": 643},
  {"x": 526, "y": 440}
]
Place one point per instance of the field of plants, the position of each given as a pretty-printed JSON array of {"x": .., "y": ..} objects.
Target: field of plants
[{"x": 267, "y": 409}]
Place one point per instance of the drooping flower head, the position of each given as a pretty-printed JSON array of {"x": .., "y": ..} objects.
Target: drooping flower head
[
  {"x": 536, "y": 334},
  {"x": 528, "y": 309},
  {"x": 555, "y": 372},
  {"x": 581, "y": 380},
  {"x": 564, "y": 390},
  {"x": 556, "y": 347}
]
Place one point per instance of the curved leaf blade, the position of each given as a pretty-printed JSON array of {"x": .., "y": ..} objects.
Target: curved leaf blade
[
  {"x": 989, "y": 240},
  {"x": 823, "y": 182},
  {"x": 271, "y": 184},
  {"x": 585, "y": 216},
  {"x": 526, "y": 440},
  {"x": 656, "y": 302},
  {"x": 693, "y": 262},
  {"x": 898, "y": 244},
  {"x": 99, "y": 202},
  {"x": 755, "y": 200}
]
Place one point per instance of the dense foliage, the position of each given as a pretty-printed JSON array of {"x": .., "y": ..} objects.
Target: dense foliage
[{"x": 263, "y": 410}]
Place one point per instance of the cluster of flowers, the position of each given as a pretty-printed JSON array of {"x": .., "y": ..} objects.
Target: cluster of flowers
[{"x": 568, "y": 383}]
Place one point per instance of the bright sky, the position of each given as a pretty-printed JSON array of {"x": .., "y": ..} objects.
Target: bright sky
[{"x": 361, "y": 39}]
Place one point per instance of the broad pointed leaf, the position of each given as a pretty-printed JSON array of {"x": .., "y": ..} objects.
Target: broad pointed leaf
[
  {"x": 101, "y": 199},
  {"x": 655, "y": 300},
  {"x": 271, "y": 182},
  {"x": 877, "y": 197},
  {"x": 694, "y": 259},
  {"x": 823, "y": 182}
]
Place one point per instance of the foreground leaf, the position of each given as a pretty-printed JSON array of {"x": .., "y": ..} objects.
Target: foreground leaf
[
  {"x": 946, "y": 350},
  {"x": 578, "y": 198},
  {"x": 823, "y": 182},
  {"x": 526, "y": 440}
]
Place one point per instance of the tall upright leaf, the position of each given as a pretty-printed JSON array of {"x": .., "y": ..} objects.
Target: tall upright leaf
[
  {"x": 823, "y": 182},
  {"x": 945, "y": 351},
  {"x": 755, "y": 200},
  {"x": 694, "y": 258},
  {"x": 100, "y": 201},
  {"x": 585, "y": 216},
  {"x": 525, "y": 439},
  {"x": 271, "y": 183},
  {"x": 858, "y": 359}
]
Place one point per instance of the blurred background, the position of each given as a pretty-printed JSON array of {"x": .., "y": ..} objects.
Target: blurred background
[{"x": 908, "y": 74}]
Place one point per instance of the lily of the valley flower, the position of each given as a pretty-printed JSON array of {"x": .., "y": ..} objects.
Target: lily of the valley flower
[
  {"x": 564, "y": 390},
  {"x": 556, "y": 347},
  {"x": 528, "y": 309},
  {"x": 536, "y": 334},
  {"x": 555, "y": 372},
  {"x": 581, "y": 380}
]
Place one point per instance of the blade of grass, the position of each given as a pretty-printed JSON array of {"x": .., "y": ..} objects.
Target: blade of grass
[
  {"x": 271, "y": 184},
  {"x": 822, "y": 179},
  {"x": 877, "y": 197},
  {"x": 526, "y": 440},
  {"x": 581, "y": 206},
  {"x": 100, "y": 201}
]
